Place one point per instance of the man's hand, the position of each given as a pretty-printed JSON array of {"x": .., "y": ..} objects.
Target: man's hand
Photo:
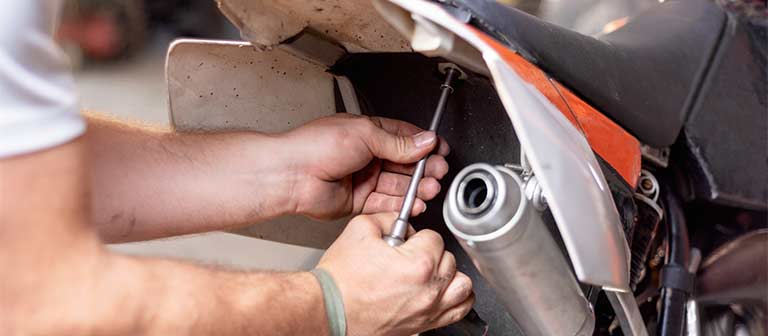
[
  {"x": 349, "y": 164},
  {"x": 149, "y": 183},
  {"x": 395, "y": 291}
]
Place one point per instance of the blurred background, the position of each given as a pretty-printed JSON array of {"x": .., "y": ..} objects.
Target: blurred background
[{"x": 118, "y": 51}]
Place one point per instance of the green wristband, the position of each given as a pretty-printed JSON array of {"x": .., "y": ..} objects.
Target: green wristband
[{"x": 334, "y": 306}]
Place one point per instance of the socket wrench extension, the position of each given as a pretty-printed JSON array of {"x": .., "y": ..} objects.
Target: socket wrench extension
[
  {"x": 472, "y": 324},
  {"x": 396, "y": 237}
]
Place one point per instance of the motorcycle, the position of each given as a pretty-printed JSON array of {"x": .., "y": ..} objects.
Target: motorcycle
[{"x": 611, "y": 185}]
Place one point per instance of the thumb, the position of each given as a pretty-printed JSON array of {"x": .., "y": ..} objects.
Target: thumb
[{"x": 402, "y": 149}]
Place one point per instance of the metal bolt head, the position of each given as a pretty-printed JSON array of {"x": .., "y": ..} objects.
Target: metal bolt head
[{"x": 647, "y": 184}]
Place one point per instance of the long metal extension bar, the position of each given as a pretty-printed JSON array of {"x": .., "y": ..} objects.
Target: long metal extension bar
[{"x": 396, "y": 237}]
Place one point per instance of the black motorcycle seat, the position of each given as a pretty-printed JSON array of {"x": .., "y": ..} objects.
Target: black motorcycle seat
[{"x": 640, "y": 75}]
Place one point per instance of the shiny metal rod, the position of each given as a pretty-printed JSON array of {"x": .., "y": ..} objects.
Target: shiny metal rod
[{"x": 396, "y": 237}]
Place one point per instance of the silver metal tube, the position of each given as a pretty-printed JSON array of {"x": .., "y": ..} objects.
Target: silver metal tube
[
  {"x": 486, "y": 209},
  {"x": 397, "y": 236}
]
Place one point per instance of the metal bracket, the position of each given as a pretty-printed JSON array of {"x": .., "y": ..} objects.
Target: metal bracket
[
  {"x": 627, "y": 312},
  {"x": 443, "y": 68},
  {"x": 657, "y": 156}
]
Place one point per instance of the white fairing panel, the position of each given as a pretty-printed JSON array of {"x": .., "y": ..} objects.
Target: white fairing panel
[
  {"x": 571, "y": 178},
  {"x": 559, "y": 155}
]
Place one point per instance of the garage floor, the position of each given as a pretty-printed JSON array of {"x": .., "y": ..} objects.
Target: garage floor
[{"x": 134, "y": 89}]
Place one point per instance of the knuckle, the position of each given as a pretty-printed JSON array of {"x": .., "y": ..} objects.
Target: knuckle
[
  {"x": 424, "y": 268},
  {"x": 456, "y": 315},
  {"x": 360, "y": 221},
  {"x": 340, "y": 137},
  {"x": 366, "y": 125},
  {"x": 434, "y": 237},
  {"x": 393, "y": 203},
  {"x": 375, "y": 120},
  {"x": 464, "y": 283},
  {"x": 428, "y": 300},
  {"x": 451, "y": 259},
  {"x": 441, "y": 167},
  {"x": 396, "y": 184},
  {"x": 401, "y": 144}
]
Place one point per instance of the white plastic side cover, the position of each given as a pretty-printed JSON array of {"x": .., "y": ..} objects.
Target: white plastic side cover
[
  {"x": 571, "y": 178},
  {"x": 562, "y": 160}
]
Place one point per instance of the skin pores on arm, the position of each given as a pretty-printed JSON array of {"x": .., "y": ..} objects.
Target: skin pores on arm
[
  {"x": 151, "y": 183},
  {"x": 57, "y": 278}
]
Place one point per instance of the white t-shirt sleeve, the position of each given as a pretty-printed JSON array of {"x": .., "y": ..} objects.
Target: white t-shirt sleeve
[{"x": 38, "y": 102}]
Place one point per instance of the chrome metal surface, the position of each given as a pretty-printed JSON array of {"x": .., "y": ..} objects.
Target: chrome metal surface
[
  {"x": 692, "y": 323},
  {"x": 559, "y": 155},
  {"x": 499, "y": 204},
  {"x": 397, "y": 236},
  {"x": 534, "y": 192},
  {"x": 476, "y": 192},
  {"x": 692, "y": 314},
  {"x": 628, "y": 313},
  {"x": 514, "y": 251}
]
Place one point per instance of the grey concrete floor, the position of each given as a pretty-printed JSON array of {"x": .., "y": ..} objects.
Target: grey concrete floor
[{"x": 135, "y": 89}]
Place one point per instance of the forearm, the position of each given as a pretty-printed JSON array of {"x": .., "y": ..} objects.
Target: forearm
[
  {"x": 57, "y": 278},
  {"x": 120, "y": 295},
  {"x": 175, "y": 298},
  {"x": 149, "y": 183}
]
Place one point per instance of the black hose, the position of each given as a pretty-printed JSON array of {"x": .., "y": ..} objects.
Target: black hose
[{"x": 676, "y": 280}]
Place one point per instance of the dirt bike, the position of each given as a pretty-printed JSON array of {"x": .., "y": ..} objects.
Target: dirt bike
[{"x": 611, "y": 185}]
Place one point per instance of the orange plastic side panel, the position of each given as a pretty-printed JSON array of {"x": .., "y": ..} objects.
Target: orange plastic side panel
[
  {"x": 609, "y": 140},
  {"x": 620, "y": 149}
]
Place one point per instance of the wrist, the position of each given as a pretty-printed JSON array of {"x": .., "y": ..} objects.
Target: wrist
[
  {"x": 255, "y": 170},
  {"x": 284, "y": 303}
]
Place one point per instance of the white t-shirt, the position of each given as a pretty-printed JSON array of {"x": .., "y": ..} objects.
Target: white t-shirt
[{"x": 38, "y": 103}]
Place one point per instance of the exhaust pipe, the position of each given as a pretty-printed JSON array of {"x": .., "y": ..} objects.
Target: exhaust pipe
[{"x": 488, "y": 212}]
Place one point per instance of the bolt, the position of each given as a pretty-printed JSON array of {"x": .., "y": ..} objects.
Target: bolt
[{"x": 647, "y": 184}]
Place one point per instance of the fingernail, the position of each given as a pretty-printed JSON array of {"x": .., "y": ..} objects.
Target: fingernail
[
  {"x": 424, "y": 209},
  {"x": 424, "y": 139}
]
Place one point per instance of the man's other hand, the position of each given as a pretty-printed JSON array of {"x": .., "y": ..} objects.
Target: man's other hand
[
  {"x": 346, "y": 164},
  {"x": 400, "y": 290}
]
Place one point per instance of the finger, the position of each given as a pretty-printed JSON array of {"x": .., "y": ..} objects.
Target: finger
[
  {"x": 446, "y": 272},
  {"x": 443, "y": 148},
  {"x": 457, "y": 291},
  {"x": 397, "y": 127},
  {"x": 397, "y": 185},
  {"x": 378, "y": 224},
  {"x": 393, "y": 147},
  {"x": 426, "y": 241},
  {"x": 378, "y": 202},
  {"x": 455, "y": 314},
  {"x": 436, "y": 167}
]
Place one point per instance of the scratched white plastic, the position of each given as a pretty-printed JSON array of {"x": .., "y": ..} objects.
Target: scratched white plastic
[{"x": 561, "y": 158}]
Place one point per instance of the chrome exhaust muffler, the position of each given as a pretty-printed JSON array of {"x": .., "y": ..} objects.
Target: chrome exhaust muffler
[{"x": 498, "y": 226}]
